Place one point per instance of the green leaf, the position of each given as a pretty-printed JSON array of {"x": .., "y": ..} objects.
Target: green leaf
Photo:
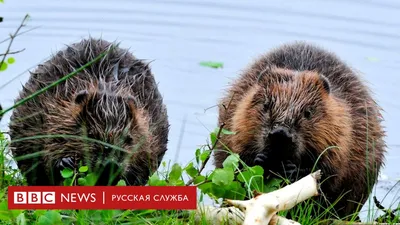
[
  {"x": 253, "y": 177},
  {"x": 212, "y": 64},
  {"x": 3, "y": 66},
  {"x": 39, "y": 212},
  {"x": 67, "y": 182},
  {"x": 210, "y": 176},
  {"x": 213, "y": 138},
  {"x": 205, "y": 155},
  {"x": 11, "y": 60},
  {"x": 1, "y": 1},
  {"x": 91, "y": 179},
  {"x": 21, "y": 220},
  {"x": 251, "y": 174},
  {"x": 272, "y": 184},
  {"x": 244, "y": 176},
  {"x": 121, "y": 183},
  {"x": 67, "y": 173},
  {"x": 176, "y": 172},
  {"x": 217, "y": 190},
  {"x": 81, "y": 181},
  {"x": 257, "y": 170},
  {"x": 4, "y": 212},
  {"x": 222, "y": 177},
  {"x": 154, "y": 179},
  {"x": 205, "y": 188},
  {"x": 198, "y": 155},
  {"x": 232, "y": 161},
  {"x": 199, "y": 179},
  {"x": 51, "y": 217},
  {"x": 190, "y": 170},
  {"x": 224, "y": 131},
  {"x": 83, "y": 169},
  {"x": 178, "y": 183},
  {"x": 161, "y": 183},
  {"x": 235, "y": 191}
]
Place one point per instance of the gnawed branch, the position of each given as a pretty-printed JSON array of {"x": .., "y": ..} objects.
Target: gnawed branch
[{"x": 262, "y": 209}]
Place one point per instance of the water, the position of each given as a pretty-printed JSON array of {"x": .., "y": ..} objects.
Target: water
[{"x": 179, "y": 34}]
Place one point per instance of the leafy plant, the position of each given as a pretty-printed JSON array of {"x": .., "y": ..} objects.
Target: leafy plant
[{"x": 227, "y": 182}]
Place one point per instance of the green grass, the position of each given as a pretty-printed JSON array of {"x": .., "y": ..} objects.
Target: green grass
[{"x": 227, "y": 182}]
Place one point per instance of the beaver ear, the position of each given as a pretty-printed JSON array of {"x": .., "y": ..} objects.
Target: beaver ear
[
  {"x": 81, "y": 97},
  {"x": 326, "y": 84}
]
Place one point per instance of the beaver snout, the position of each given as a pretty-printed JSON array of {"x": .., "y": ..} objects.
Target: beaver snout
[
  {"x": 283, "y": 140},
  {"x": 280, "y": 135}
]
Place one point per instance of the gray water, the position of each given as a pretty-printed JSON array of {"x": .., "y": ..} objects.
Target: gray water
[{"x": 179, "y": 34}]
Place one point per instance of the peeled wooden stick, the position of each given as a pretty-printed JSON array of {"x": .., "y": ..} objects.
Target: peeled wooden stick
[{"x": 263, "y": 207}]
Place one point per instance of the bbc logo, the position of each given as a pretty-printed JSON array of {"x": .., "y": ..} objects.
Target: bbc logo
[{"x": 34, "y": 197}]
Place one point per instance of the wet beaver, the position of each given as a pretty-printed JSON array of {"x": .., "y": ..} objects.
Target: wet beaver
[
  {"x": 115, "y": 101},
  {"x": 292, "y": 104}
]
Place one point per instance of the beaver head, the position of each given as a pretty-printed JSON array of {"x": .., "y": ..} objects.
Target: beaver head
[
  {"x": 116, "y": 130},
  {"x": 291, "y": 116}
]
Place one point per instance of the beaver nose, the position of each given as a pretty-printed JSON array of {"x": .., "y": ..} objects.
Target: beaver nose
[{"x": 280, "y": 135}]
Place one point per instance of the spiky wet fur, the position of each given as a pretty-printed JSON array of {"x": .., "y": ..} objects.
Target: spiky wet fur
[
  {"x": 118, "y": 100},
  {"x": 278, "y": 87}
]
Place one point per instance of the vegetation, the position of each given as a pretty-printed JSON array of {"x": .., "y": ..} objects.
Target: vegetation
[{"x": 227, "y": 182}]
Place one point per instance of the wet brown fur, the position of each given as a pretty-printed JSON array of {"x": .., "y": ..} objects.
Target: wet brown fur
[
  {"x": 115, "y": 100},
  {"x": 287, "y": 81}
]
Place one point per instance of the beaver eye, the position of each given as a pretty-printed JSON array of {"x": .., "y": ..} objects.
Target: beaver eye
[{"x": 308, "y": 113}]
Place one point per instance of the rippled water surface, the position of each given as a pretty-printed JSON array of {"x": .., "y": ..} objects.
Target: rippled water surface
[{"x": 178, "y": 34}]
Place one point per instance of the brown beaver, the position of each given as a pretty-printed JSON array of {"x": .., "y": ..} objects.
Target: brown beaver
[
  {"x": 115, "y": 100},
  {"x": 292, "y": 104}
]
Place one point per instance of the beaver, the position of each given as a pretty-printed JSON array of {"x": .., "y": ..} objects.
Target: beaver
[
  {"x": 293, "y": 103},
  {"x": 114, "y": 105}
]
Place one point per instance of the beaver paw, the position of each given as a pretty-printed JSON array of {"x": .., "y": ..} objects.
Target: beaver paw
[
  {"x": 65, "y": 163},
  {"x": 260, "y": 159}
]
